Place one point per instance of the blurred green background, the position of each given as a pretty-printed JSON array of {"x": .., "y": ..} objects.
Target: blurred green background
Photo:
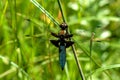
[{"x": 26, "y": 52}]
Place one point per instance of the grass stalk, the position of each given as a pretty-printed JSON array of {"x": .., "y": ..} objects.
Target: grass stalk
[
  {"x": 73, "y": 47},
  {"x": 45, "y": 12},
  {"x": 91, "y": 43}
]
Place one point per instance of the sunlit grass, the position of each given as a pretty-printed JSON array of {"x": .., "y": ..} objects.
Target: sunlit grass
[{"x": 27, "y": 54}]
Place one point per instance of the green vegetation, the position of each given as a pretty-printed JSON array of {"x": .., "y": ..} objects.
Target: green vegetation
[{"x": 27, "y": 54}]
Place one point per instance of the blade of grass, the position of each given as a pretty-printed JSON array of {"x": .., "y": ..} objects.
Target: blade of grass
[
  {"x": 73, "y": 47},
  {"x": 7, "y": 72},
  {"x": 67, "y": 72},
  {"x": 4, "y": 59},
  {"x": 45, "y": 12},
  {"x": 3, "y": 13},
  {"x": 105, "y": 68},
  {"x": 91, "y": 42},
  {"x": 87, "y": 53},
  {"x": 59, "y": 3},
  {"x": 16, "y": 31}
]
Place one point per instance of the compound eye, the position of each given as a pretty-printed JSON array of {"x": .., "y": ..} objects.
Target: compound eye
[{"x": 63, "y": 26}]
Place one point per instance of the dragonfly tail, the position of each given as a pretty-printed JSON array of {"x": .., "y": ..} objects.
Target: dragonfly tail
[{"x": 62, "y": 56}]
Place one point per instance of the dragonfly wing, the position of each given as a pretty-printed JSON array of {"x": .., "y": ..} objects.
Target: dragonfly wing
[
  {"x": 62, "y": 56},
  {"x": 69, "y": 43},
  {"x": 68, "y": 35},
  {"x": 54, "y": 34},
  {"x": 55, "y": 42}
]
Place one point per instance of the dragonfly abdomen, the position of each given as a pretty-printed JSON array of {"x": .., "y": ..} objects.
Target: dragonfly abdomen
[{"x": 62, "y": 55}]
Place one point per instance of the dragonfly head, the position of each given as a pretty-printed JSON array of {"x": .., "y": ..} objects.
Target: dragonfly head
[{"x": 63, "y": 26}]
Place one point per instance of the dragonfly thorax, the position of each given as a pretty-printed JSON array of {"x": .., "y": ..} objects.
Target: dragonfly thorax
[{"x": 62, "y": 32}]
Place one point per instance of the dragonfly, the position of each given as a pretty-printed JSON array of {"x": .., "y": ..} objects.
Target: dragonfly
[{"x": 62, "y": 43}]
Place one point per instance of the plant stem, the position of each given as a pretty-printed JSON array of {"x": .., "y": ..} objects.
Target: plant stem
[
  {"x": 78, "y": 64},
  {"x": 59, "y": 3},
  {"x": 73, "y": 47},
  {"x": 44, "y": 11},
  {"x": 91, "y": 42}
]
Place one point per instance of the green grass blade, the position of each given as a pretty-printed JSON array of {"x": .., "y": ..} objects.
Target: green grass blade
[
  {"x": 102, "y": 69},
  {"x": 4, "y": 59},
  {"x": 91, "y": 43},
  {"x": 73, "y": 47},
  {"x": 59, "y": 3},
  {"x": 45, "y": 12},
  {"x": 86, "y": 51}
]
